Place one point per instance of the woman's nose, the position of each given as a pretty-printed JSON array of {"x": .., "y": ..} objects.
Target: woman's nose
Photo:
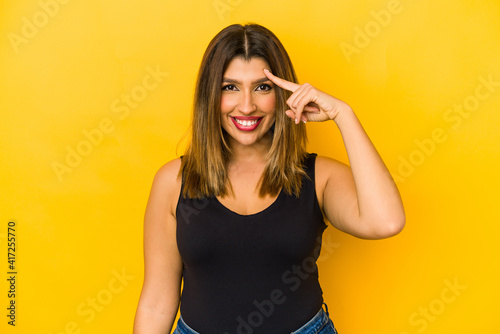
[{"x": 246, "y": 103}]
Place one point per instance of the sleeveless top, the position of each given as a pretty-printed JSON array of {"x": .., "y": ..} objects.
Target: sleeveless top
[{"x": 252, "y": 273}]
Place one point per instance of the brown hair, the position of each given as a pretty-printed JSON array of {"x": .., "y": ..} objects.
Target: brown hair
[{"x": 204, "y": 164}]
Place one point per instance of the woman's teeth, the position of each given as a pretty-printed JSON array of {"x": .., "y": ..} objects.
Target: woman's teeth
[{"x": 246, "y": 123}]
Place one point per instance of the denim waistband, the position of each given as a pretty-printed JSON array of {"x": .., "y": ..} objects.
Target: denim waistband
[
  {"x": 312, "y": 326},
  {"x": 183, "y": 328},
  {"x": 316, "y": 323}
]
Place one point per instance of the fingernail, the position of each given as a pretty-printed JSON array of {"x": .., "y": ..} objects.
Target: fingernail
[{"x": 304, "y": 121}]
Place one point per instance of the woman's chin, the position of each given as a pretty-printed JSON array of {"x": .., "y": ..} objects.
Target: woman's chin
[{"x": 251, "y": 140}]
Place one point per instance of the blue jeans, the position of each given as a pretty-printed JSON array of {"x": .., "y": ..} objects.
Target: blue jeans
[{"x": 319, "y": 324}]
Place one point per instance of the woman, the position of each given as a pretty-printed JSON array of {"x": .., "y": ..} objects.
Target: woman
[{"x": 240, "y": 216}]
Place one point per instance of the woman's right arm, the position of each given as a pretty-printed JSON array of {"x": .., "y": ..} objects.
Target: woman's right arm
[{"x": 160, "y": 293}]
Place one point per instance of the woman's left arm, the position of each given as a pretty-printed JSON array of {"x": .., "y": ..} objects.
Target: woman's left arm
[{"x": 362, "y": 200}]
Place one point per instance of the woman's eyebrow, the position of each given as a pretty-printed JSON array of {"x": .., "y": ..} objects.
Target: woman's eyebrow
[{"x": 261, "y": 80}]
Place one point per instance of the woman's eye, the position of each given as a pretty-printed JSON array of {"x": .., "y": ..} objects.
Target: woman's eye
[
  {"x": 264, "y": 87},
  {"x": 229, "y": 87}
]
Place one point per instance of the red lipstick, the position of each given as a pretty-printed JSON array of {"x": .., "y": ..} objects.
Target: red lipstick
[{"x": 246, "y": 123}]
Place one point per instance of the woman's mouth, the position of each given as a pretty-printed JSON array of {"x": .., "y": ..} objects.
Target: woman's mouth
[{"x": 246, "y": 123}]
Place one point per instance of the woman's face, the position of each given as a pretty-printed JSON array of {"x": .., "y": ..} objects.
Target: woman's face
[{"x": 248, "y": 101}]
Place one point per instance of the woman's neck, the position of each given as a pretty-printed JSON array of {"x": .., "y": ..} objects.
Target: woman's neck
[{"x": 249, "y": 154}]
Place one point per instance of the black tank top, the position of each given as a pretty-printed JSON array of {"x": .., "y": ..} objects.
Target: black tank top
[{"x": 251, "y": 273}]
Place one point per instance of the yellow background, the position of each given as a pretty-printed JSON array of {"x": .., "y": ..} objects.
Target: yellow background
[{"x": 406, "y": 67}]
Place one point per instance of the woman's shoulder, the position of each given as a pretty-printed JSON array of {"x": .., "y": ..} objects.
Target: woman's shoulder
[
  {"x": 327, "y": 168},
  {"x": 329, "y": 171},
  {"x": 167, "y": 182},
  {"x": 326, "y": 165},
  {"x": 169, "y": 171},
  {"x": 324, "y": 162}
]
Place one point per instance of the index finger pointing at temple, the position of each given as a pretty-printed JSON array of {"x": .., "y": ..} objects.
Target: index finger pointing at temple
[{"x": 280, "y": 82}]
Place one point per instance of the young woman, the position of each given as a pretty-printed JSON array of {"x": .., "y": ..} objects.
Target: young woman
[{"x": 239, "y": 218}]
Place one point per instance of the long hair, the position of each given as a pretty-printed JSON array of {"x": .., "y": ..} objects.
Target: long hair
[{"x": 204, "y": 165}]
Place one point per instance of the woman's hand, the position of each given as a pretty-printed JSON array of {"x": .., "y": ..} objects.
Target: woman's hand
[
  {"x": 307, "y": 103},
  {"x": 362, "y": 200}
]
